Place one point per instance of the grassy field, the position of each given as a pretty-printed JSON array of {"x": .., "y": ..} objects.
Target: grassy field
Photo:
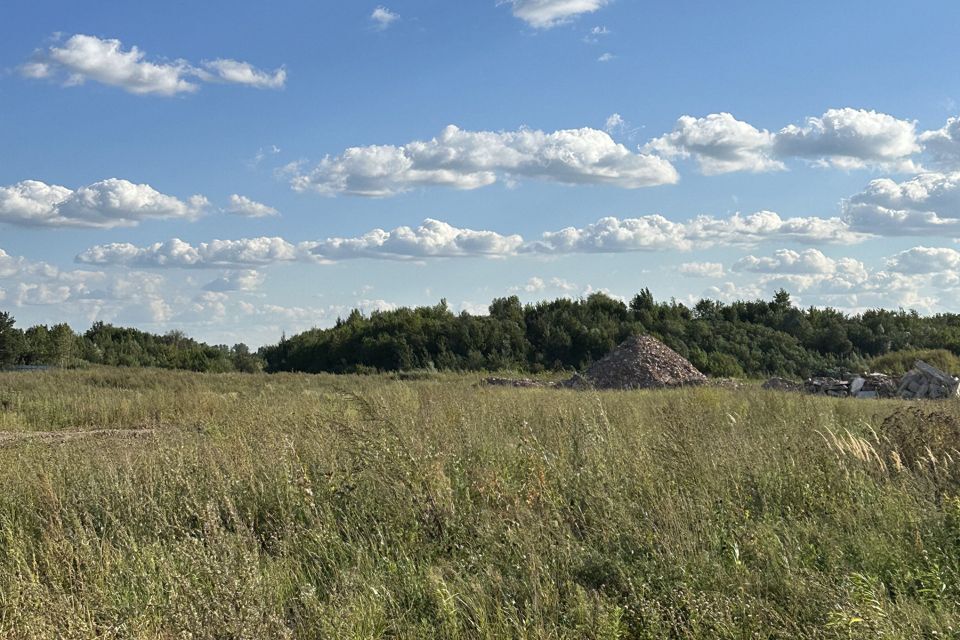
[{"x": 293, "y": 506}]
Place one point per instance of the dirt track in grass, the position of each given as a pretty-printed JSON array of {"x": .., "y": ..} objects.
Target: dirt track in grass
[{"x": 9, "y": 438}]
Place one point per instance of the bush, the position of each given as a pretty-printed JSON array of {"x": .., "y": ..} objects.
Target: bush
[{"x": 899, "y": 362}]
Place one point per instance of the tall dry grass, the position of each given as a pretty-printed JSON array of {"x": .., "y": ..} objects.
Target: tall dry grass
[{"x": 307, "y": 507}]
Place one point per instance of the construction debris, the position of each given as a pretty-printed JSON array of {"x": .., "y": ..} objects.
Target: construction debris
[
  {"x": 922, "y": 382},
  {"x": 926, "y": 381},
  {"x": 873, "y": 385},
  {"x": 866, "y": 386},
  {"x": 640, "y": 362},
  {"x": 643, "y": 362},
  {"x": 525, "y": 383},
  {"x": 578, "y": 382}
]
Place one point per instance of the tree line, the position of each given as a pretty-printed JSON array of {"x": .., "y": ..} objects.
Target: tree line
[
  {"x": 744, "y": 338},
  {"x": 106, "y": 344}
]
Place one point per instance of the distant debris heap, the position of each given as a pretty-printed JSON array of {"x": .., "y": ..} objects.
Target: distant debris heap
[
  {"x": 924, "y": 381},
  {"x": 640, "y": 362}
]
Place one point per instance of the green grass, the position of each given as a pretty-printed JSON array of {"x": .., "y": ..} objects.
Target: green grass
[
  {"x": 898, "y": 363},
  {"x": 295, "y": 506}
]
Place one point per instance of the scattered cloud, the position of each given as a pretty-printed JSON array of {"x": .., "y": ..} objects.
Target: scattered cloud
[
  {"x": 787, "y": 261},
  {"x": 720, "y": 143},
  {"x": 533, "y": 285},
  {"x": 613, "y": 235},
  {"x": 921, "y": 278},
  {"x": 606, "y": 57},
  {"x": 702, "y": 270},
  {"x": 928, "y": 204},
  {"x": 731, "y": 292},
  {"x": 843, "y": 138},
  {"x": 614, "y": 123},
  {"x": 656, "y": 233},
  {"x": 262, "y": 154},
  {"x": 382, "y": 18},
  {"x": 566, "y": 286},
  {"x": 306, "y": 317},
  {"x": 432, "y": 239},
  {"x": 546, "y": 14},
  {"x": 105, "y": 204},
  {"x": 925, "y": 260},
  {"x": 593, "y": 36},
  {"x": 33, "y": 284},
  {"x": 20, "y": 268},
  {"x": 243, "y": 280},
  {"x": 568, "y": 289},
  {"x": 944, "y": 143},
  {"x": 472, "y": 159},
  {"x": 247, "y": 252},
  {"x": 244, "y": 206},
  {"x": 852, "y": 138},
  {"x": 84, "y": 57},
  {"x": 236, "y": 72}
]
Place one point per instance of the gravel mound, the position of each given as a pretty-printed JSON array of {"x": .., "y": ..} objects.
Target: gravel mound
[{"x": 643, "y": 362}]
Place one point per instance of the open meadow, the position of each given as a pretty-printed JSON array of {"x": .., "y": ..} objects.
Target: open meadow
[{"x": 157, "y": 504}]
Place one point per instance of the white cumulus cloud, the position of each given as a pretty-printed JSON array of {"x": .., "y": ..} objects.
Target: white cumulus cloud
[
  {"x": 545, "y": 14},
  {"x": 787, "y": 261},
  {"x": 925, "y": 260},
  {"x": 244, "y": 206},
  {"x": 85, "y": 57},
  {"x": 656, "y": 233},
  {"x": 241, "y": 280},
  {"x": 214, "y": 254},
  {"x": 432, "y": 239},
  {"x": 844, "y": 138},
  {"x": 105, "y": 204},
  {"x": 928, "y": 204},
  {"x": 472, "y": 159},
  {"x": 944, "y": 143},
  {"x": 720, "y": 143},
  {"x": 237, "y": 72},
  {"x": 702, "y": 269},
  {"x": 383, "y": 17},
  {"x": 851, "y": 138}
]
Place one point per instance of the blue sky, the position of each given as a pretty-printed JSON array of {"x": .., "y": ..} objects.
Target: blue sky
[{"x": 239, "y": 169}]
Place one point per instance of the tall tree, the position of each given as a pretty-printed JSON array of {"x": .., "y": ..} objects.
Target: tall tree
[{"x": 11, "y": 340}]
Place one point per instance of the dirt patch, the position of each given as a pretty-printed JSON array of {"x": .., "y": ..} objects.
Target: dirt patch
[{"x": 8, "y": 438}]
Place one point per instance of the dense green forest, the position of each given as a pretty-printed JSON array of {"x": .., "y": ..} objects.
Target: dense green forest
[
  {"x": 754, "y": 339},
  {"x": 105, "y": 344}
]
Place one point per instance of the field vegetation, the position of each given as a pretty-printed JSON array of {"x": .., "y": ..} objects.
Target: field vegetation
[{"x": 297, "y": 506}]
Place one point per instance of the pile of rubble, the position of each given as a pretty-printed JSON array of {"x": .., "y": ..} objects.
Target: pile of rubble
[
  {"x": 866, "y": 386},
  {"x": 640, "y": 362},
  {"x": 523, "y": 383},
  {"x": 922, "y": 382},
  {"x": 873, "y": 385},
  {"x": 926, "y": 381}
]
